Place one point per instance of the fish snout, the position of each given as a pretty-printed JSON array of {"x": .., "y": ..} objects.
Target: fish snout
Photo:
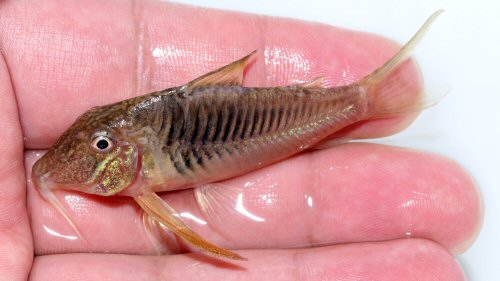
[
  {"x": 42, "y": 181},
  {"x": 42, "y": 166},
  {"x": 37, "y": 169}
]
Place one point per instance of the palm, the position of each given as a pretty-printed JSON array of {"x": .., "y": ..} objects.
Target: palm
[{"x": 60, "y": 61}]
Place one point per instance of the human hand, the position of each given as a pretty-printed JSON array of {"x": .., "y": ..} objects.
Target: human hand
[{"x": 60, "y": 59}]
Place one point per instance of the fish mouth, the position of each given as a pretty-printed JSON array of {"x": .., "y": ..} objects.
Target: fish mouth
[{"x": 45, "y": 187}]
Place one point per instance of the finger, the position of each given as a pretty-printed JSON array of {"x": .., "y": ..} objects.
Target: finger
[
  {"x": 350, "y": 193},
  {"x": 392, "y": 260},
  {"x": 16, "y": 248},
  {"x": 67, "y": 62}
]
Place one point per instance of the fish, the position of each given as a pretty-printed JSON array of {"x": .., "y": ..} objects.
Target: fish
[{"x": 207, "y": 130}]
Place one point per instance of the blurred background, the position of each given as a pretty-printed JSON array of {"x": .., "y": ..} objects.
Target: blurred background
[{"x": 460, "y": 56}]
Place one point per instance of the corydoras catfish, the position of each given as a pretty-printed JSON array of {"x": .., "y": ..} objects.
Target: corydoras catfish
[{"x": 208, "y": 130}]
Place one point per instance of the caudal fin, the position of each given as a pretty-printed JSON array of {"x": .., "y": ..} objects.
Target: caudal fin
[{"x": 385, "y": 84}]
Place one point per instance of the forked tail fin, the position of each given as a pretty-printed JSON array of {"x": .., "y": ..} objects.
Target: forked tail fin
[{"x": 385, "y": 85}]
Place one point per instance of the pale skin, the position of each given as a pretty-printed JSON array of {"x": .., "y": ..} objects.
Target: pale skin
[{"x": 60, "y": 59}]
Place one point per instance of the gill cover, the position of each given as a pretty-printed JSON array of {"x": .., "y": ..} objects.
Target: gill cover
[{"x": 115, "y": 172}]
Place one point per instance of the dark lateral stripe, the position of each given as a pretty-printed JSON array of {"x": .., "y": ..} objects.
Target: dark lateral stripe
[
  {"x": 318, "y": 108},
  {"x": 188, "y": 122},
  {"x": 176, "y": 159},
  {"x": 306, "y": 110},
  {"x": 198, "y": 157},
  {"x": 244, "y": 111},
  {"x": 257, "y": 117},
  {"x": 184, "y": 117},
  {"x": 231, "y": 120},
  {"x": 165, "y": 121},
  {"x": 240, "y": 116},
  {"x": 211, "y": 121},
  {"x": 298, "y": 120},
  {"x": 179, "y": 167},
  {"x": 265, "y": 105},
  {"x": 249, "y": 117},
  {"x": 155, "y": 117},
  {"x": 174, "y": 128},
  {"x": 208, "y": 152},
  {"x": 282, "y": 110},
  {"x": 292, "y": 113},
  {"x": 186, "y": 157},
  {"x": 221, "y": 119},
  {"x": 196, "y": 126},
  {"x": 270, "y": 128},
  {"x": 313, "y": 113},
  {"x": 203, "y": 112},
  {"x": 170, "y": 154}
]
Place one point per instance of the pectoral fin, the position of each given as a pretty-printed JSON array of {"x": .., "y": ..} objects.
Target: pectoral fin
[
  {"x": 159, "y": 210},
  {"x": 229, "y": 75}
]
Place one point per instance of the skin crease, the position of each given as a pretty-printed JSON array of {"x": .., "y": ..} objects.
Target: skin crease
[{"x": 63, "y": 57}]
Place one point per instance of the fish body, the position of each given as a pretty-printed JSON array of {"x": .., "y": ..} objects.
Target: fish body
[
  {"x": 213, "y": 133},
  {"x": 207, "y": 130}
]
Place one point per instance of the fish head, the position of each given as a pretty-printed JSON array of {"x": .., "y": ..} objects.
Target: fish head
[{"x": 93, "y": 156}]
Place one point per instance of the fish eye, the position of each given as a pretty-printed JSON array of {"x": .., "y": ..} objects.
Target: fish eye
[{"x": 102, "y": 144}]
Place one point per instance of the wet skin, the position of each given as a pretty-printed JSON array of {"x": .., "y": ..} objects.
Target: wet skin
[{"x": 48, "y": 82}]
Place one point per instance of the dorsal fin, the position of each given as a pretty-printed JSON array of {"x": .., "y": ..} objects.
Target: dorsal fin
[
  {"x": 228, "y": 75},
  {"x": 317, "y": 82}
]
